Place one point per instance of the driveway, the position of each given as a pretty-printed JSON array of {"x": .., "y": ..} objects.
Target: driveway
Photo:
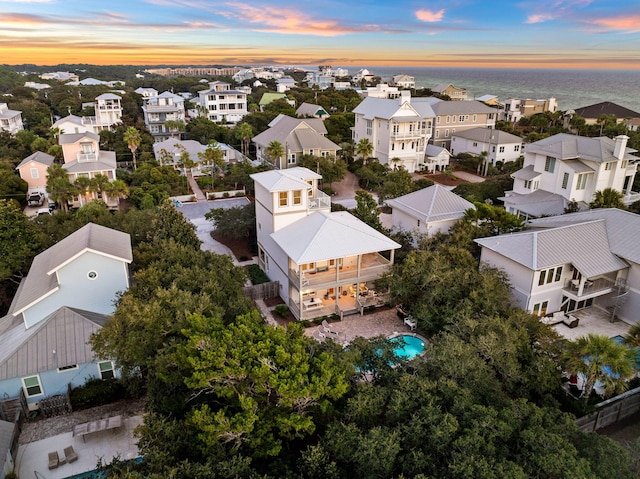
[
  {"x": 344, "y": 192},
  {"x": 195, "y": 212}
]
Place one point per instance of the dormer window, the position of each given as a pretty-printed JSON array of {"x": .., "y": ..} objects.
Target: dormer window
[
  {"x": 297, "y": 197},
  {"x": 283, "y": 198}
]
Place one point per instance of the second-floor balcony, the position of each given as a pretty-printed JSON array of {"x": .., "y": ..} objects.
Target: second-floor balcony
[
  {"x": 319, "y": 200},
  {"x": 410, "y": 134},
  {"x": 591, "y": 288}
]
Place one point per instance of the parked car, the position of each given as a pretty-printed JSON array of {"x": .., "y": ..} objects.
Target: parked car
[
  {"x": 43, "y": 211},
  {"x": 35, "y": 199}
]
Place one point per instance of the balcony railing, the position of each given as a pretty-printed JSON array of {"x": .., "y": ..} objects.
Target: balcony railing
[
  {"x": 373, "y": 266},
  {"x": 407, "y": 135},
  {"x": 319, "y": 200},
  {"x": 592, "y": 287}
]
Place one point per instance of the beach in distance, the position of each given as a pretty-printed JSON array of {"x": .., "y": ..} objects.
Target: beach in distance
[{"x": 572, "y": 88}]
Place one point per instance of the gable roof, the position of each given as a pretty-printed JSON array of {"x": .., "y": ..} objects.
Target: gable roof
[
  {"x": 606, "y": 108},
  {"x": 622, "y": 228},
  {"x": 433, "y": 150},
  {"x": 387, "y": 108},
  {"x": 38, "y": 157},
  {"x": 106, "y": 160},
  {"x": 268, "y": 97},
  {"x": 296, "y": 135},
  {"x": 40, "y": 281},
  {"x": 585, "y": 245},
  {"x": 434, "y": 203},
  {"x": 172, "y": 145},
  {"x": 70, "y": 138},
  {"x": 488, "y": 135},
  {"x": 65, "y": 331},
  {"x": 456, "y": 107},
  {"x": 315, "y": 123},
  {"x": 309, "y": 109},
  {"x": 68, "y": 119},
  {"x": 284, "y": 180},
  {"x": 537, "y": 203},
  {"x": 324, "y": 235},
  {"x": 440, "y": 87},
  {"x": 565, "y": 146}
]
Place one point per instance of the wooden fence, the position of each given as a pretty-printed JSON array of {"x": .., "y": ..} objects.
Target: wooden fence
[
  {"x": 611, "y": 411},
  {"x": 262, "y": 291}
]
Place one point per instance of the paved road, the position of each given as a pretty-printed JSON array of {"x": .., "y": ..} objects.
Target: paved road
[{"x": 195, "y": 212}]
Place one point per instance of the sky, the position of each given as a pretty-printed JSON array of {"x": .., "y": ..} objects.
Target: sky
[{"x": 449, "y": 33}]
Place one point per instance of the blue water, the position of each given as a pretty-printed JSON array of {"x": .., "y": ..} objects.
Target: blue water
[
  {"x": 573, "y": 88},
  {"x": 412, "y": 347}
]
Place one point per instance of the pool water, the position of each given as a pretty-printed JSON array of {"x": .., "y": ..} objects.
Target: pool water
[{"x": 407, "y": 346}]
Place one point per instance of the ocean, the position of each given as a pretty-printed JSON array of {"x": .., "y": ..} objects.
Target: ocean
[{"x": 571, "y": 88}]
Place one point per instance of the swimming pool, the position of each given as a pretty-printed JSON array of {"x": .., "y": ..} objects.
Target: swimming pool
[{"x": 407, "y": 346}]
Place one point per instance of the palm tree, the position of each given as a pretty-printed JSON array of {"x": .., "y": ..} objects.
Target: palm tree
[
  {"x": 133, "y": 139},
  {"x": 83, "y": 185},
  {"x": 598, "y": 358},
  {"x": 98, "y": 183},
  {"x": 244, "y": 132},
  {"x": 116, "y": 189},
  {"x": 59, "y": 187},
  {"x": 174, "y": 126},
  {"x": 607, "y": 198},
  {"x": 213, "y": 156},
  {"x": 364, "y": 148},
  {"x": 274, "y": 152}
]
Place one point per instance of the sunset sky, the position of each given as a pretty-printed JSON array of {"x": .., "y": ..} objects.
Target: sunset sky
[{"x": 455, "y": 33}]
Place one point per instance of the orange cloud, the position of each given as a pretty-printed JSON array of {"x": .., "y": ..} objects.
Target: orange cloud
[
  {"x": 18, "y": 18},
  {"x": 629, "y": 24},
  {"x": 539, "y": 18},
  {"x": 429, "y": 16}
]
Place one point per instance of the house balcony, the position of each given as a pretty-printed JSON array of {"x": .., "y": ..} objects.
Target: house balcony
[
  {"x": 409, "y": 135},
  {"x": 591, "y": 288},
  {"x": 85, "y": 157},
  {"x": 319, "y": 201},
  {"x": 371, "y": 267}
]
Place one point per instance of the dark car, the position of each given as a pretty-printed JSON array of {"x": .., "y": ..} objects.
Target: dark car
[{"x": 35, "y": 199}]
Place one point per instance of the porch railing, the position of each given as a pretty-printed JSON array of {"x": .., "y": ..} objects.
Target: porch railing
[
  {"x": 591, "y": 286},
  {"x": 319, "y": 200},
  {"x": 343, "y": 277}
]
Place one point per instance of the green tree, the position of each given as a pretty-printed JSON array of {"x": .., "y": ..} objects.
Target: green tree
[
  {"x": 367, "y": 209},
  {"x": 397, "y": 182},
  {"x": 116, "y": 189},
  {"x": 244, "y": 133},
  {"x": 234, "y": 223},
  {"x": 274, "y": 153},
  {"x": 82, "y": 185},
  {"x": 174, "y": 126},
  {"x": 364, "y": 148},
  {"x": 213, "y": 156},
  {"x": 598, "y": 358},
  {"x": 607, "y": 198},
  {"x": 132, "y": 138},
  {"x": 19, "y": 241},
  {"x": 60, "y": 189}
]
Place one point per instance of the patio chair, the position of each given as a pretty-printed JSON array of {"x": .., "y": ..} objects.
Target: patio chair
[
  {"x": 54, "y": 460},
  {"x": 70, "y": 454}
]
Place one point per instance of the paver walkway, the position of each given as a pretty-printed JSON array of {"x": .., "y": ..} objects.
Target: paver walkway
[{"x": 200, "y": 196}]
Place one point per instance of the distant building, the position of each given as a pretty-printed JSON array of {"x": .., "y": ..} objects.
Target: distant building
[
  {"x": 516, "y": 108},
  {"x": 284, "y": 84},
  {"x": 194, "y": 71},
  {"x": 146, "y": 92},
  {"x": 453, "y": 92},
  {"x": 10, "y": 120},
  {"x": 60, "y": 76},
  {"x": 221, "y": 104},
  {"x": 498, "y": 145},
  {"x": 381, "y": 90},
  {"x": 454, "y": 116},
  {"x": 160, "y": 109},
  {"x": 591, "y": 113},
  {"x": 403, "y": 81},
  {"x": 36, "y": 86},
  {"x": 309, "y": 110}
]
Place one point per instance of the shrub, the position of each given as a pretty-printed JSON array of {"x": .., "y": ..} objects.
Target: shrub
[
  {"x": 256, "y": 275},
  {"x": 96, "y": 392},
  {"x": 281, "y": 310},
  {"x": 240, "y": 193},
  {"x": 225, "y": 194}
]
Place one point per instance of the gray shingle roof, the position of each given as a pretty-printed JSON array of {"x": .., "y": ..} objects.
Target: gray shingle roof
[
  {"x": 296, "y": 135},
  {"x": 38, "y": 157},
  {"x": 569, "y": 147},
  {"x": 92, "y": 237},
  {"x": 537, "y": 203},
  {"x": 434, "y": 203},
  {"x": 69, "y": 138},
  {"x": 585, "y": 245},
  {"x": 106, "y": 161},
  {"x": 386, "y": 109},
  {"x": 469, "y": 107},
  {"x": 309, "y": 109},
  {"x": 606, "y": 108},
  {"x": 526, "y": 173},
  {"x": 496, "y": 137}
]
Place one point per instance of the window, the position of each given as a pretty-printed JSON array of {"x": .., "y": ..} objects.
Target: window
[
  {"x": 448, "y": 118},
  {"x": 550, "y": 164},
  {"x": 393, "y": 146},
  {"x": 292, "y": 159},
  {"x": 369, "y": 127},
  {"x": 475, "y": 143},
  {"x": 516, "y": 148},
  {"x": 565, "y": 181},
  {"x": 582, "y": 181},
  {"x": 32, "y": 386},
  {"x": 475, "y": 118},
  {"x": 297, "y": 197},
  {"x": 437, "y": 133},
  {"x": 402, "y": 146},
  {"x": 70, "y": 367},
  {"x": 213, "y": 107},
  {"x": 446, "y": 133},
  {"x": 437, "y": 120},
  {"x": 551, "y": 275},
  {"x": 396, "y": 129},
  {"x": 502, "y": 149},
  {"x": 284, "y": 198},
  {"x": 35, "y": 173},
  {"x": 105, "y": 368},
  {"x": 540, "y": 309},
  {"x": 461, "y": 118},
  {"x": 609, "y": 166},
  {"x": 92, "y": 275}
]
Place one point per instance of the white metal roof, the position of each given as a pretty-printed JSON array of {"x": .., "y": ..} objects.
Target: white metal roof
[
  {"x": 285, "y": 180},
  {"x": 434, "y": 203},
  {"x": 323, "y": 235}
]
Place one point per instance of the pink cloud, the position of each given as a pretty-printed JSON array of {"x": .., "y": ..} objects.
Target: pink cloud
[
  {"x": 627, "y": 23},
  {"x": 429, "y": 16},
  {"x": 539, "y": 18}
]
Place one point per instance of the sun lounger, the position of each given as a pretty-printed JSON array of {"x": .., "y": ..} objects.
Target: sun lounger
[
  {"x": 54, "y": 460},
  {"x": 409, "y": 321},
  {"x": 70, "y": 454}
]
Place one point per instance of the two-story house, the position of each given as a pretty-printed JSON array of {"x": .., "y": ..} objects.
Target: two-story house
[
  {"x": 325, "y": 262},
  {"x": 10, "y": 120},
  {"x": 569, "y": 168},
  {"x": 108, "y": 110},
  {"x": 298, "y": 136},
  {"x": 399, "y": 129},
  {"x": 68, "y": 294},
  {"x": 516, "y": 108},
  {"x": 160, "y": 109},
  {"x": 33, "y": 170},
  {"x": 450, "y": 90},
  {"x": 221, "y": 104},
  {"x": 83, "y": 158},
  {"x": 455, "y": 116},
  {"x": 497, "y": 144},
  {"x": 403, "y": 81},
  {"x": 572, "y": 262}
]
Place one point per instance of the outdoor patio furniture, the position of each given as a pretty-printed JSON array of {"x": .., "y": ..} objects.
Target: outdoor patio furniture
[
  {"x": 96, "y": 426},
  {"x": 571, "y": 321},
  {"x": 54, "y": 460},
  {"x": 409, "y": 321},
  {"x": 70, "y": 454},
  {"x": 554, "y": 318}
]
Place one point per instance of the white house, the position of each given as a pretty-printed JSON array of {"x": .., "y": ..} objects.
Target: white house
[
  {"x": 325, "y": 262},
  {"x": 160, "y": 109},
  {"x": 298, "y": 136},
  {"x": 498, "y": 145},
  {"x": 108, "y": 112},
  {"x": 10, "y": 120},
  {"x": 517, "y": 108},
  {"x": 403, "y": 81},
  {"x": 571, "y": 168},
  {"x": 381, "y": 90},
  {"x": 427, "y": 211},
  {"x": 221, "y": 104},
  {"x": 70, "y": 290},
  {"x": 589, "y": 259},
  {"x": 397, "y": 128},
  {"x": 146, "y": 92},
  {"x": 436, "y": 158},
  {"x": 310, "y": 110},
  {"x": 76, "y": 124}
]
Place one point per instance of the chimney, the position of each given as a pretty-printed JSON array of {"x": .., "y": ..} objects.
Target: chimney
[
  {"x": 621, "y": 146},
  {"x": 405, "y": 96}
]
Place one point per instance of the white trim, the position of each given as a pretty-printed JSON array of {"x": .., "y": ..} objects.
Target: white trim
[
  {"x": 24, "y": 386},
  {"x": 112, "y": 369},
  {"x": 87, "y": 250},
  {"x": 71, "y": 367}
]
